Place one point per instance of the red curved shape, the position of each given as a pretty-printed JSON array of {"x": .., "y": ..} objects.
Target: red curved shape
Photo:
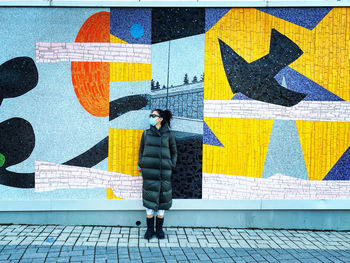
[{"x": 91, "y": 79}]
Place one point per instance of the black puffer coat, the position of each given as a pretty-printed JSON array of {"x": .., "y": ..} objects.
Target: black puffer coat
[{"x": 157, "y": 159}]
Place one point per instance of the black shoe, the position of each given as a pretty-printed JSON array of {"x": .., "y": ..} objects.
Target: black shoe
[
  {"x": 150, "y": 228},
  {"x": 159, "y": 228}
]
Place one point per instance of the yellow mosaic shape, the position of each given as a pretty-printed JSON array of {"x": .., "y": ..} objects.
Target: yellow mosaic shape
[
  {"x": 326, "y": 58},
  {"x": 129, "y": 71},
  {"x": 245, "y": 146},
  {"x": 114, "y": 39},
  {"x": 323, "y": 143},
  {"x": 120, "y": 71},
  {"x": 123, "y": 153}
]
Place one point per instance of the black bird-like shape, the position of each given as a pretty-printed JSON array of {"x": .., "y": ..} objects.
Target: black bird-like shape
[{"x": 256, "y": 79}]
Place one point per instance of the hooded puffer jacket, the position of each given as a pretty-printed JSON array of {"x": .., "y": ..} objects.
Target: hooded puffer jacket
[{"x": 157, "y": 159}]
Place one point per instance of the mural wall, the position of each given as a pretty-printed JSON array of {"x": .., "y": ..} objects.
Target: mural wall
[{"x": 260, "y": 98}]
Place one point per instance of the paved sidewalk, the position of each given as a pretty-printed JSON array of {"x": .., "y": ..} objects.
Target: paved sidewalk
[{"x": 55, "y": 243}]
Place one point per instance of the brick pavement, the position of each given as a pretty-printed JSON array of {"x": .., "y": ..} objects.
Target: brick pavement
[{"x": 56, "y": 243}]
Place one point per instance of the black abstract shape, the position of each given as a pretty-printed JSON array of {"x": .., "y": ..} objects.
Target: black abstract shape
[
  {"x": 91, "y": 157},
  {"x": 18, "y": 180},
  {"x": 256, "y": 79},
  {"x": 187, "y": 177},
  {"x": 17, "y": 141},
  {"x": 174, "y": 23},
  {"x": 17, "y": 76},
  {"x": 123, "y": 105}
]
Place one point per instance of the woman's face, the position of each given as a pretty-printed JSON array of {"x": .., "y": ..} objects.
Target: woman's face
[{"x": 157, "y": 116}]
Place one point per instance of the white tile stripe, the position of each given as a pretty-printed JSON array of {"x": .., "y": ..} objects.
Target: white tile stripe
[
  {"x": 51, "y": 176},
  {"x": 222, "y": 186},
  {"x": 93, "y": 52},
  {"x": 335, "y": 111}
]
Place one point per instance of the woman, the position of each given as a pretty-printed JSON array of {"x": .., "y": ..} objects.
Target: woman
[{"x": 157, "y": 159}]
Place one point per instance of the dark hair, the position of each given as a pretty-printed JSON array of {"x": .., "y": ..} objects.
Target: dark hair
[{"x": 166, "y": 115}]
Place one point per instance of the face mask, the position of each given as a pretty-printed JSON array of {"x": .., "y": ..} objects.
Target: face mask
[{"x": 153, "y": 121}]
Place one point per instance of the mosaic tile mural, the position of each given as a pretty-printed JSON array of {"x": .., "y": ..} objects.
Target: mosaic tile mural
[
  {"x": 276, "y": 104},
  {"x": 260, "y": 98}
]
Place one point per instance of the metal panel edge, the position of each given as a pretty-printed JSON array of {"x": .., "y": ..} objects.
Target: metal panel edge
[
  {"x": 172, "y": 3},
  {"x": 178, "y": 204}
]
